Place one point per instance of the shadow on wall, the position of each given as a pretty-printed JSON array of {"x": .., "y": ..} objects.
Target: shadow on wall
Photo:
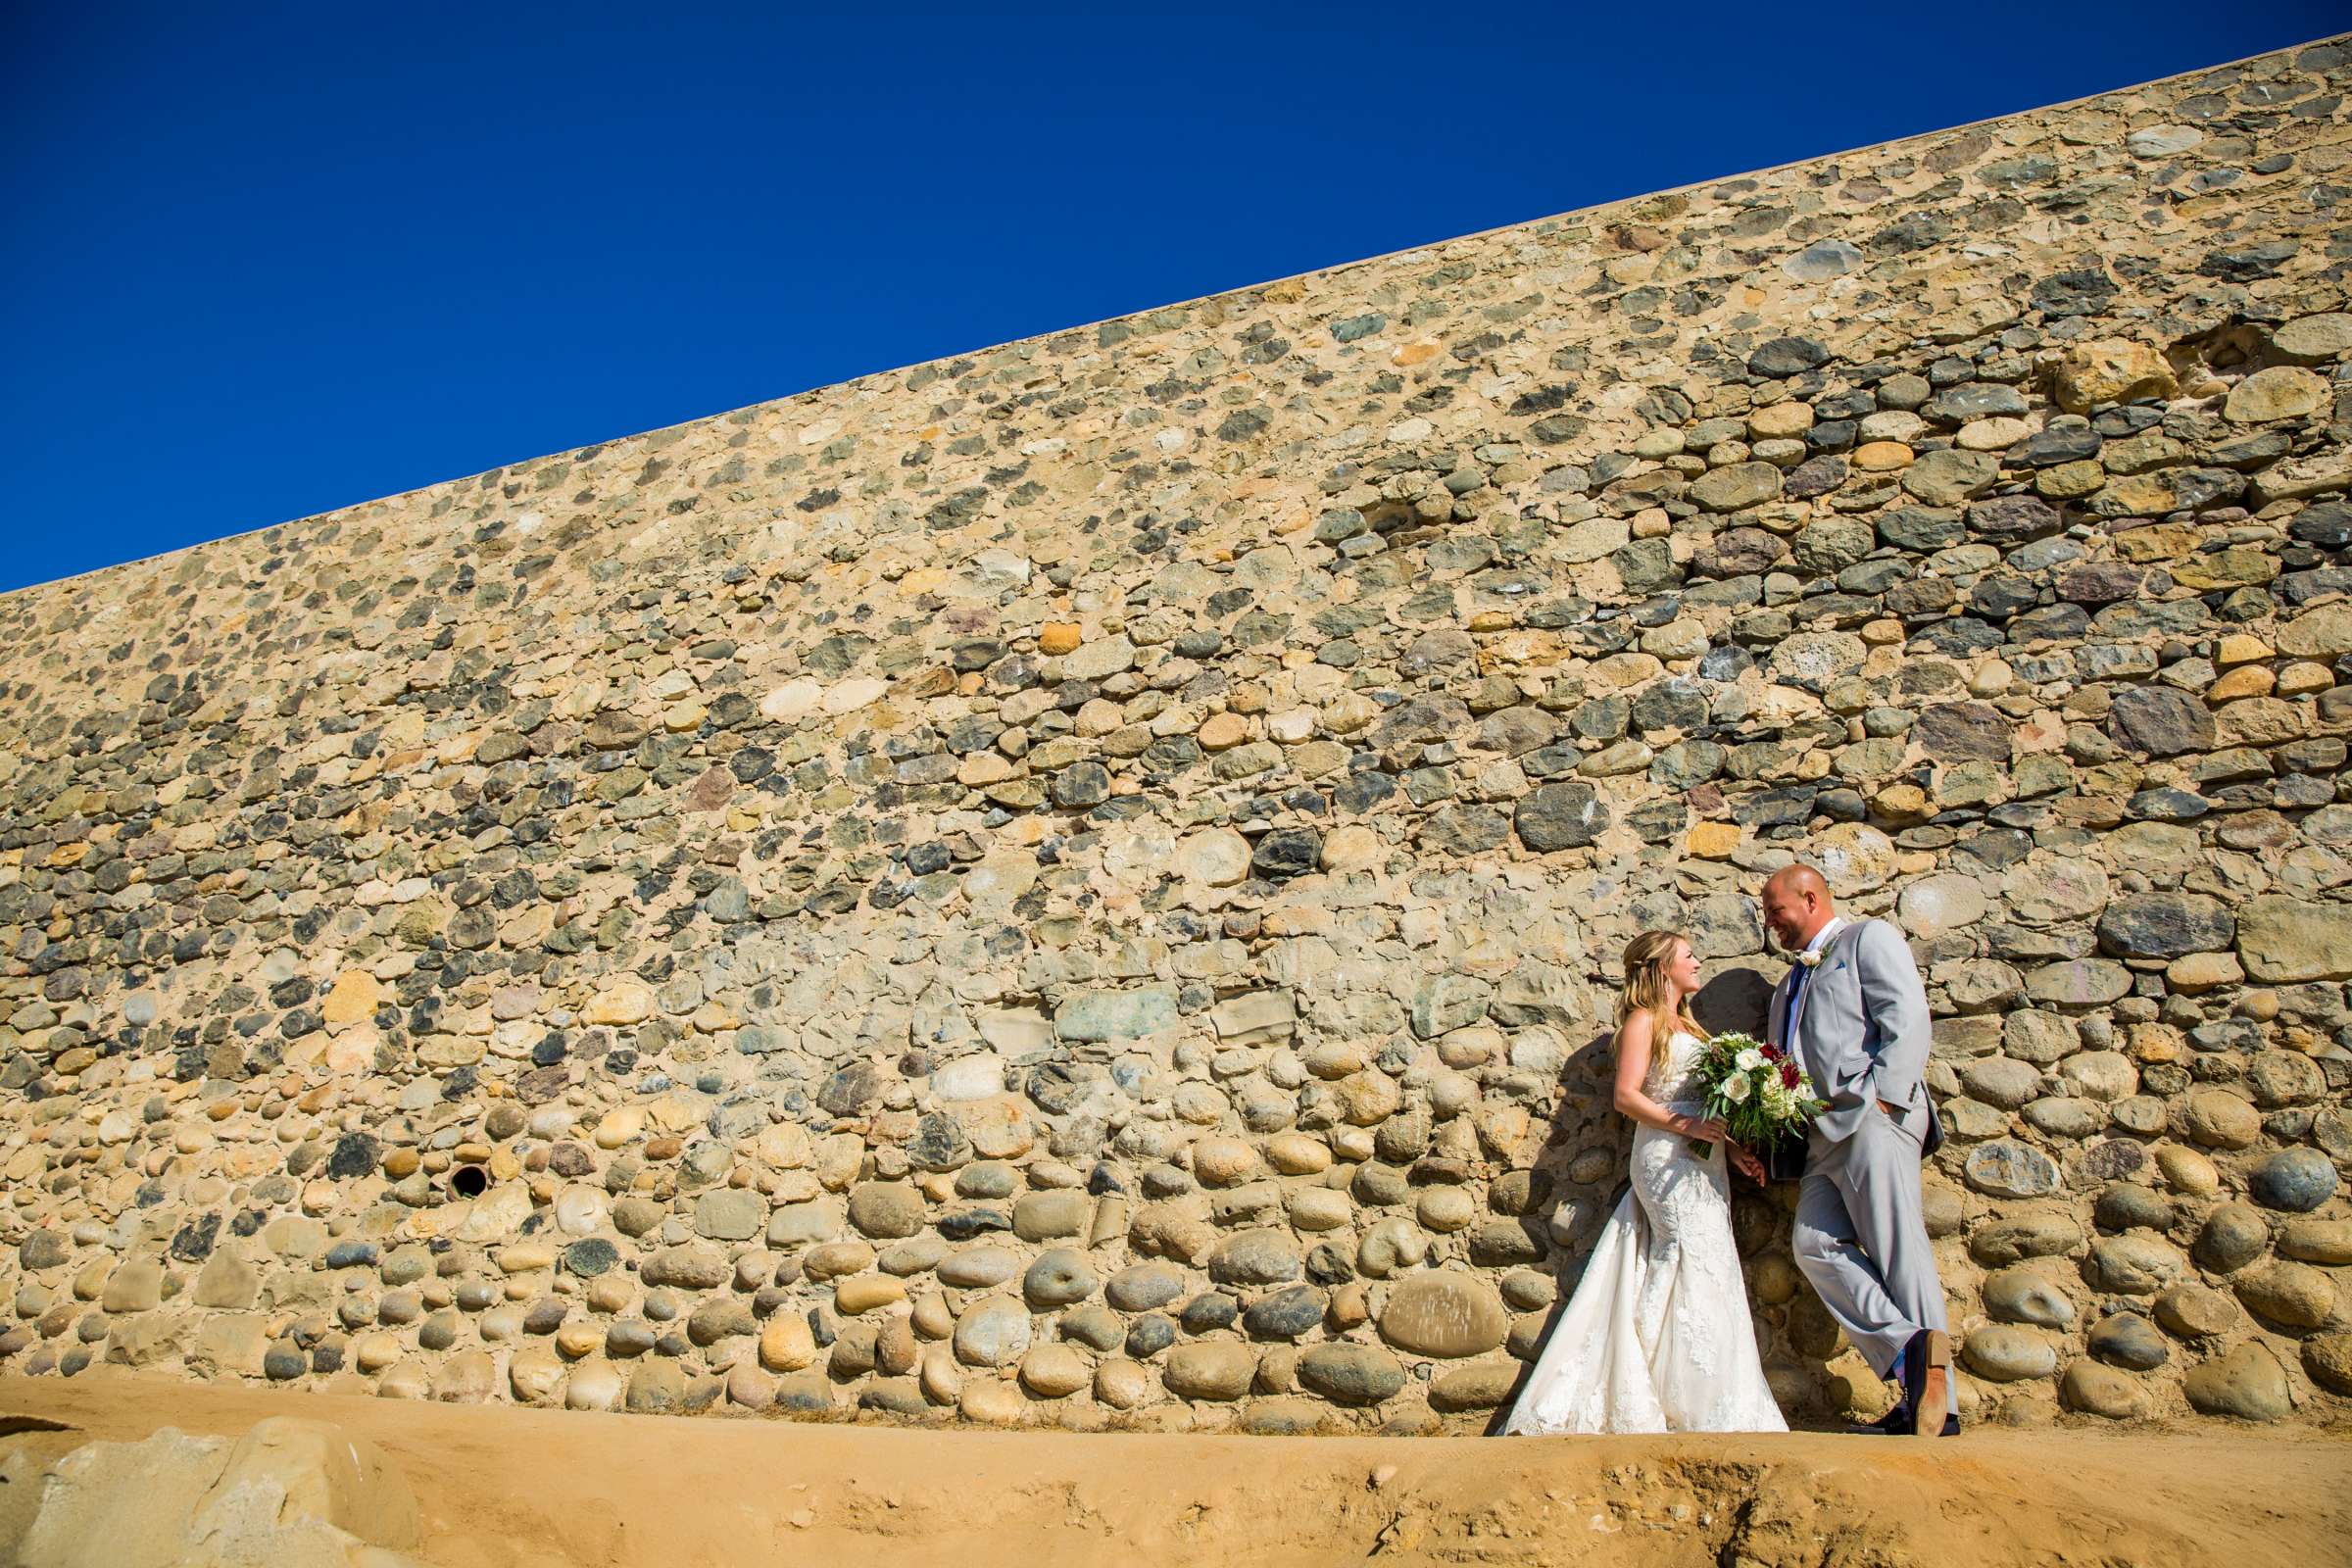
[{"x": 1733, "y": 999}]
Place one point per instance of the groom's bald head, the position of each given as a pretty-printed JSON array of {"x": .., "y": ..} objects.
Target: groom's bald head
[{"x": 1796, "y": 904}]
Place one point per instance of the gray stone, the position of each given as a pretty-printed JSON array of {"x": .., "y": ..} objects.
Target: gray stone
[
  {"x": 2296, "y": 1180},
  {"x": 1058, "y": 1277},
  {"x": 2127, "y": 1340},
  {"x": 1783, "y": 357},
  {"x": 1559, "y": 816},
  {"x": 2162, "y": 722},
  {"x": 2164, "y": 926},
  {"x": 2002, "y": 1354},
  {"x": 994, "y": 1332},
  {"x": 730, "y": 1213},
  {"x": 2009, "y": 1169},
  {"x": 1113, "y": 1016},
  {"x": 1355, "y": 1375}
]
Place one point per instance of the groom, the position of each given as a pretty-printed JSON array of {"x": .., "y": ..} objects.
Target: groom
[{"x": 1854, "y": 1012}]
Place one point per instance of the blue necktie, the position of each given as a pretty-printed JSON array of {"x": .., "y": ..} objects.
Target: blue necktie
[{"x": 1796, "y": 987}]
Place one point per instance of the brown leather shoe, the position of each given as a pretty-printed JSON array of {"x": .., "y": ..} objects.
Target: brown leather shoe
[{"x": 1933, "y": 1391}]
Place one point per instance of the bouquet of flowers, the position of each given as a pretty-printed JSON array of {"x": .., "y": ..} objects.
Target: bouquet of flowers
[{"x": 1758, "y": 1091}]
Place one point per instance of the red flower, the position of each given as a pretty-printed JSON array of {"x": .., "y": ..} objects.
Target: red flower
[
  {"x": 1787, "y": 1075},
  {"x": 1774, "y": 1052}
]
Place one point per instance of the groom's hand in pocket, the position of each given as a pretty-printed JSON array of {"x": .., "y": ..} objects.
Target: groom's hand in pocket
[{"x": 1745, "y": 1162}]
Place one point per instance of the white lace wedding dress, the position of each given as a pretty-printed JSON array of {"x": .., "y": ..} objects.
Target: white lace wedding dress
[{"x": 1657, "y": 1337}]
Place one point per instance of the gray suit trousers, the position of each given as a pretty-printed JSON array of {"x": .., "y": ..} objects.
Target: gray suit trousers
[{"x": 1859, "y": 1204}]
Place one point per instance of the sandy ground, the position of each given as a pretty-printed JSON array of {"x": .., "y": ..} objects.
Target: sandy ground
[{"x": 505, "y": 1487}]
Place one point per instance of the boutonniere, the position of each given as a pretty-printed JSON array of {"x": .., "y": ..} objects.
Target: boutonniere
[{"x": 1811, "y": 958}]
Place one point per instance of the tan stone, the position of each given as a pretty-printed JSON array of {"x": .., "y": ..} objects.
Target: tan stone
[
  {"x": 354, "y": 998},
  {"x": 1713, "y": 840},
  {"x": 2282, "y": 392},
  {"x": 1221, "y": 732},
  {"x": 2247, "y": 680},
  {"x": 2111, "y": 370},
  {"x": 786, "y": 1344}
]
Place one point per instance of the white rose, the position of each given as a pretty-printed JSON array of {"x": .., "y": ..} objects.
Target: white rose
[
  {"x": 1748, "y": 1060},
  {"x": 1735, "y": 1090}
]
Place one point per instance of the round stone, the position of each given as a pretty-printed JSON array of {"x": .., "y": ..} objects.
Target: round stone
[
  {"x": 2132, "y": 1264},
  {"x": 2098, "y": 1389},
  {"x": 2005, "y": 1169},
  {"x": 2040, "y": 1038},
  {"x": 2105, "y": 1076},
  {"x": 2005, "y": 1354},
  {"x": 730, "y": 1213},
  {"x": 1319, "y": 1208},
  {"x": 1445, "y": 1209},
  {"x": 1151, "y": 1334},
  {"x": 2000, "y": 1081},
  {"x": 1355, "y": 1375},
  {"x": 2127, "y": 1340},
  {"x": 2294, "y": 1296},
  {"x": 862, "y": 1292},
  {"x": 2247, "y": 1383},
  {"x": 2164, "y": 926},
  {"x": 2048, "y": 887},
  {"x": 1224, "y": 1162},
  {"x": 2296, "y": 1180},
  {"x": 1254, "y": 1258},
  {"x": 1121, "y": 1383},
  {"x": 1559, "y": 816},
  {"x": 1210, "y": 1369},
  {"x": 2219, "y": 1119},
  {"x": 2327, "y": 1357},
  {"x": 990, "y": 1403},
  {"x": 992, "y": 1333},
  {"x": 1058, "y": 1277},
  {"x": 2284, "y": 1078},
  {"x": 2028, "y": 1293},
  {"x": 886, "y": 1210},
  {"x": 2196, "y": 1311},
  {"x": 2014, "y": 1238},
  {"x": 1854, "y": 858},
  {"x": 2327, "y": 1242},
  {"x": 1445, "y": 1313},
  {"x": 1142, "y": 1287},
  {"x": 2187, "y": 1171},
  {"x": 1938, "y": 905},
  {"x": 2234, "y": 1235},
  {"x": 2128, "y": 1206},
  {"x": 1052, "y": 1371},
  {"x": 786, "y": 1344},
  {"x": 979, "y": 1267},
  {"x": 1285, "y": 1314}
]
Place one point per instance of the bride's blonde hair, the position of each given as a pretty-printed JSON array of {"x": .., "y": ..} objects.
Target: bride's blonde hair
[{"x": 1647, "y": 987}]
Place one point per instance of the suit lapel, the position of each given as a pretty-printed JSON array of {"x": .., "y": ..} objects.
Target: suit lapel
[{"x": 1804, "y": 998}]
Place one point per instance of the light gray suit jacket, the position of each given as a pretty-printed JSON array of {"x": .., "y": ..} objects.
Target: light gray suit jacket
[{"x": 1862, "y": 1031}]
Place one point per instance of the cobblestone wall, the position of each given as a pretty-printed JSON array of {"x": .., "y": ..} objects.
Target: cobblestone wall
[{"x": 1082, "y": 883}]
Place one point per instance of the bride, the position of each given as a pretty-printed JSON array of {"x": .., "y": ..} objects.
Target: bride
[{"x": 1657, "y": 1337}]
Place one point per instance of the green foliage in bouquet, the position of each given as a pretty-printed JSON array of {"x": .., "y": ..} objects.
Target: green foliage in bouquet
[{"x": 1758, "y": 1091}]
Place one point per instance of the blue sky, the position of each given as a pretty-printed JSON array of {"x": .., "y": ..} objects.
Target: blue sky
[{"x": 260, "y": 262}]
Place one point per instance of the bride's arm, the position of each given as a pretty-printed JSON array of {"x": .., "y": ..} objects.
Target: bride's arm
[{"x": 1632, "y": 1066}]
